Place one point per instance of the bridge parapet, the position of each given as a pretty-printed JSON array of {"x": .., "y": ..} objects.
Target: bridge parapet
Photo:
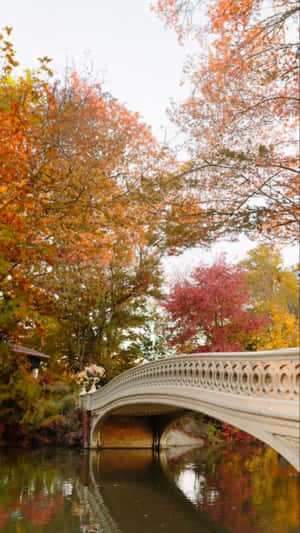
[{"x": 270, "y": 374}]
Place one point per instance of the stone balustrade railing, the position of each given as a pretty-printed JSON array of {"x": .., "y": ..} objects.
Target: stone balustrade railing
[{"x": 273, "y": 374}]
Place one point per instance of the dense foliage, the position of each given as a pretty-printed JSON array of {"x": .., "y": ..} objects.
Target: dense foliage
[{"x": 82, "y": 216}]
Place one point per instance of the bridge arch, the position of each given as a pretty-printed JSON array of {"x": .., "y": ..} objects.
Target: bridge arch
[{"x": 256, "y": 392}]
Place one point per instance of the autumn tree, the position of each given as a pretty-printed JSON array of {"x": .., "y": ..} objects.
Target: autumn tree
[
  {"x": 240, "y": 120},
  {"x": 211, "y": 312},
  {"x": 20, "y": 118},
  {"x": 274, "y": 290},
  {"x": 86, "y": 211},
  {"x": 108, "y": 215}
]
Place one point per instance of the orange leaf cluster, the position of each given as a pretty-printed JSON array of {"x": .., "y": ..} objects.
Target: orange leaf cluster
[{"x": 241, "y": 121}]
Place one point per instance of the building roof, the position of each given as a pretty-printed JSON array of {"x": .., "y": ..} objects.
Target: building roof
[{"x": 29, "y": 351}]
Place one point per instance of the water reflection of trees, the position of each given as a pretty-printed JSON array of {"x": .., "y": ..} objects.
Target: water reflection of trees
[
  {"x": 31, "y": 491},
  {"x": 50, "y": 488},
  {"x": 247, "y": 489}
]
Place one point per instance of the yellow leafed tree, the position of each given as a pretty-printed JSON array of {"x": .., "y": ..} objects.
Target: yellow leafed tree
[
  {"x": 274, "y": 290},
  {"x": 283, "y": 332}
]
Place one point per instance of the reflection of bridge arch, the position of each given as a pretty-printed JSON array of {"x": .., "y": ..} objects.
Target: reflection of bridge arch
[
  {"x": 257, "y": 392},
  {"x": 130, "y": 486},
  {"x": 93, "y": 503}
]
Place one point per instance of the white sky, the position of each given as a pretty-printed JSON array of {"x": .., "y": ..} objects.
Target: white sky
[
  {"x": 125, "y": 41},
  {"x": 176, "y": 268},
  {"x": 128, "y": 47}
]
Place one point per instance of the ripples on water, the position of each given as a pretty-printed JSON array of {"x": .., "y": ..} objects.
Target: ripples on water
[{"x": 244, "y": 489}]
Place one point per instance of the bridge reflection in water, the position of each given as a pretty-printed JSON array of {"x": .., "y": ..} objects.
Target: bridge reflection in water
[
  {"x": 207, "y": 490},
  {"x": 247, "y": 489},
  {"x": 137, "y": 494}
]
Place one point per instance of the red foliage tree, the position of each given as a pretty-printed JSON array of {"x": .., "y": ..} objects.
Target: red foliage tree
[{"x": 212, "y": 311}]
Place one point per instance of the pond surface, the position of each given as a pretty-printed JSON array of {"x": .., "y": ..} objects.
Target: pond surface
[{"x": 241, "y": 489}]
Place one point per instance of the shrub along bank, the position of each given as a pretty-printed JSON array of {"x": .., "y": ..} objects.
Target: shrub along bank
[
  {"x": 212, "y": 431},
  {"x": 37, "y": 410}
]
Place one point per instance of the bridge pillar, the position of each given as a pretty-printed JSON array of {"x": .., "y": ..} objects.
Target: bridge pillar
[{"x": 86, "y": 427}]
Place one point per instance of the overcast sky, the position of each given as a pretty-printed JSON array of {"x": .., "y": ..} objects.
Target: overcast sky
[
  {"x": 124, "y": 40},
  {"x": 127, "y": 46}
]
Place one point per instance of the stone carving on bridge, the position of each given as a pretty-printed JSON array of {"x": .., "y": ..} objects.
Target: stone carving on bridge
[{"x": 260, "y": 378}]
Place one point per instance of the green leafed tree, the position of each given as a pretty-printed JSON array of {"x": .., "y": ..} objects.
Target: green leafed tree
[
  {"x": 100, "y": 311},
  {"x": 269, "y": 281}
]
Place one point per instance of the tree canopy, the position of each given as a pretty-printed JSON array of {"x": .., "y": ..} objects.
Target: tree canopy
[
  {"x": 89, "y": 201},
  {"x": 241, "y": 119},
  {"x": 83, "y": 214}
]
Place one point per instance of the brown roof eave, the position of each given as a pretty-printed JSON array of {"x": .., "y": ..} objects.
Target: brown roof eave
[{"x": 29, "y": 351}]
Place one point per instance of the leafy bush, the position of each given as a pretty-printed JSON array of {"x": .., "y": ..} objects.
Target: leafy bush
[{"x": 35, "y": 411}]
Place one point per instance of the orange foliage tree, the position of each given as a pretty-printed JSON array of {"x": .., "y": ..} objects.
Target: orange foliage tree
[
  {"x": 240, "y": 120},
  {"x": 87, "y": 206},
  {"x": 20, "y": 252}
]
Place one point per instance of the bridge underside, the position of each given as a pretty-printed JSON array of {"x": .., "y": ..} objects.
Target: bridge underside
[{"x": 134, "y": 426}]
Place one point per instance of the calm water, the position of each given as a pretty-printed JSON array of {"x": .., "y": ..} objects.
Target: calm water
[{"x": 245, "y": 489}]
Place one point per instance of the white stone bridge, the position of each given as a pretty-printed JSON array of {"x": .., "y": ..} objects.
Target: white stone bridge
[{"x": 257, "y": 392}]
